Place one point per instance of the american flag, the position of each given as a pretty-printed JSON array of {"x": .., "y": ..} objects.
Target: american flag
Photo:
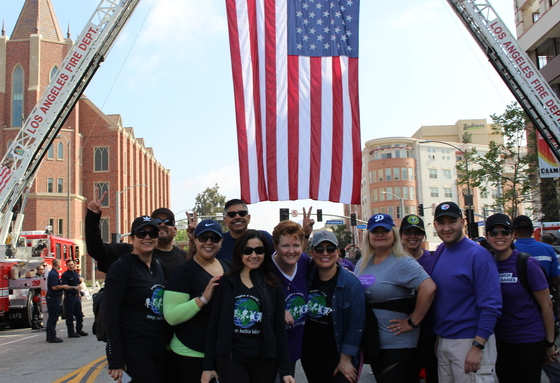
[{"x": 295, "y": 75}]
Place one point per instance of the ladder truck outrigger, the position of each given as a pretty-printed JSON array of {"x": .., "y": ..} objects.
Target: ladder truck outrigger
[{"x": 23, "y": 157}]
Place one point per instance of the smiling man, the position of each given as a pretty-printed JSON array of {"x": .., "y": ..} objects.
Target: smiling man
[
  {"x": 468, "y": 301},
  {"x": 236, "y": 218}
]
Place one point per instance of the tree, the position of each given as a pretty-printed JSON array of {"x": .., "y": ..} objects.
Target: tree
[
  {"x": 209, "y": 203},
  {"x": 343, "y": 236},
  {"x": 509, "y": 167}
]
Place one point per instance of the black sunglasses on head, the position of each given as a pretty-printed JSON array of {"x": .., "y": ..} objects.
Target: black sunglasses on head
[
  {"x": 205, "y": 237},
  {"x": 495, "y": 232},
  {"x": 249, "y": 250},
  {"x": 320, "y": 249},
  {"x": 166, "y": 222},
  {"x": 232, "y": 214},
  {"x": 141, "y": 234}
]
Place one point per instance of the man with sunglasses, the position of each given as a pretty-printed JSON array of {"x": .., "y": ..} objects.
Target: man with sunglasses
[
  {"x": 107, "y": 253},
  {"x": 236, "y": 218},
  {"x": 467, "y": 304}
]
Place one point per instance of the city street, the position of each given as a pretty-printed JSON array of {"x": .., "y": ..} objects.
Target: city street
[{"x": 26, "y": 357}]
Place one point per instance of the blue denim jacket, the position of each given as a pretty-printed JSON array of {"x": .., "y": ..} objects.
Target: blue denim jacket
[{"x": 348, "y": 313}]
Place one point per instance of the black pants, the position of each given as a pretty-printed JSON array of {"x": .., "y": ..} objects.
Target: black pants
[
  {"x": 184, "y": 369},
  {"x": 246, "y": 371},
  {"x": 53, "y": 306},
  {"x": 394, "y": 366},
  {"x": 145, "y": 369},
  {"x": 520, "y": 362},
  {"x": 319, "y": 368},
  {"x": 73, "y": 308}
]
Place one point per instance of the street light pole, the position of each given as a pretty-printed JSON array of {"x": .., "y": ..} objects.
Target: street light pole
[
  {"x": 402, "y": 202},
  {"x": 118, "y": 215},
  {"x": 469, "y": 198},
  {"x": 69, "y": 183}
]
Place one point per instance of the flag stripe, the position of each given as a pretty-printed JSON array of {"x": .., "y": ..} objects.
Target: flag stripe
[
  {"x": 338, "y": 134},
  {"x": 353, "y": 94},
  {"x": 315, "y": 120},
  {"x": 294, "y": 140}
]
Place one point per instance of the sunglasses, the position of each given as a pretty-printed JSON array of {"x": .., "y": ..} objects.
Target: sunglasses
[
  {"x": 232, "y": 214},
  {"x": 320, "y": 249},
  {"x": 141, "y": 234},
  {"x": 495, "y": 232},
  {"x": 166, "y": 222},
  {"x": 249, "y": 250},
  {"x": 204, "y": 238}
]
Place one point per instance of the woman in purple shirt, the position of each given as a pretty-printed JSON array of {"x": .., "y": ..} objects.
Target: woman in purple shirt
[{"x": 525, "y": 330}]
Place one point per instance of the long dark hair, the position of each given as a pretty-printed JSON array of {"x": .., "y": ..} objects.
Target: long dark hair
[{"x": 267, "y": 265}]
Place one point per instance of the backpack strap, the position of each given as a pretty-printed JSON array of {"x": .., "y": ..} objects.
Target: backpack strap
[{"x": 521, "y": 265}]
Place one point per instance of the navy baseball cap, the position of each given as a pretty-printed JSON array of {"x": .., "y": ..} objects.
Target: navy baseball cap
[
  {"x": 449, "y": 209},
  {"x": 140, "y": 222},
  {"x": 208, "y": 225},
  {"x": 383, "y": 220}
]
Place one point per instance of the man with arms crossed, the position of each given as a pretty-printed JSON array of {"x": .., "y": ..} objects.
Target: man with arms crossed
[{"x": 467, "y": 303}]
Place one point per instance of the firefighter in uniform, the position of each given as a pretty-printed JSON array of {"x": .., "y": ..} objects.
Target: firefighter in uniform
[
  {"x": 72, "y": 301},
  {"x": 54, "y": 295}
]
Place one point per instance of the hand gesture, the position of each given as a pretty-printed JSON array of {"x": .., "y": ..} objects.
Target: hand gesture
[
  {"x": 308, "y": 222},
  {"x": 95, "y": 204},
  {"x": 191, "y": 225},
  {"x": 209, "y": 290}
]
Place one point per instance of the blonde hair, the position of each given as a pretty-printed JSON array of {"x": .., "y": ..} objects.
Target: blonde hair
[{"x": 368, "y": 252}]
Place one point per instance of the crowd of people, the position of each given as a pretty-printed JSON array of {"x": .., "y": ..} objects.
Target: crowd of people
[{"x": 245, "y": 305}]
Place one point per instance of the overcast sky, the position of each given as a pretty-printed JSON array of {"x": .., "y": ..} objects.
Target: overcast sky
[{"x": 169, "y": 76}]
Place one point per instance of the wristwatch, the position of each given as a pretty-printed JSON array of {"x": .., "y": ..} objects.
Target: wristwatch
[
  {"x": 478, "y": 345},
  {"x": 411, "y": 323},
  {"x": 202, "y": 299},
  {"x": 548, "y": 344}
]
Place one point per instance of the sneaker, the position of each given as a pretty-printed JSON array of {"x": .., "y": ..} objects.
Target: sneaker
[
  {"x": 74, "y": 335},
  {"x": 83, "y": 333},
  {"x": 55, "y": 340}
]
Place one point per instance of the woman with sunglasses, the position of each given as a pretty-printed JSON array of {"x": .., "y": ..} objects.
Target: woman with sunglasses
[
  {"x": 335, "y": 318},
  {"x": 246, "y": 338},
  {"x": 136, "y": 330},
  {"x": 187, "y": 302},
  {"x": 525, "y": 330},
  {"x": 390, "y": 278}
]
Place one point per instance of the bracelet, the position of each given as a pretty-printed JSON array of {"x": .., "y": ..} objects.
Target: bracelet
[
  {"x": 411, "y": 323},
  {"x": 202, "y": 299},
  {"x": 478, "y": 345},
  {"x": 548, "y": 344}
]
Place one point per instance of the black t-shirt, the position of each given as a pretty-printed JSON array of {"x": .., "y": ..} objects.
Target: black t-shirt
[
  {"x": 171, "y": 258},
  {"x": 247, "y": 323},
  {"x": 191, "y": 278},
  {"x": 319, "y": 329}
]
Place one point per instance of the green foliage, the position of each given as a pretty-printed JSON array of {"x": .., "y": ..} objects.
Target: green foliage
[
  {"x": 509, "y": 166},
  {"x": 210, "y": 202},
  {"x": 343, "y": 236}
]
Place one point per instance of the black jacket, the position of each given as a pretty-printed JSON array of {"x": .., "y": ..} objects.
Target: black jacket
[
  {"x": 219, "y": 337},
  {"x": 107, "y": 253}
]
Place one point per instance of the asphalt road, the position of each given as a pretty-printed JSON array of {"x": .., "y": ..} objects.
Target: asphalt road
[{"x": 27, "y": 358}]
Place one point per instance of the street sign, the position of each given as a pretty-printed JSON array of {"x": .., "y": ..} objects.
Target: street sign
[
  {"x": 361, "y": 226},
  {"x": 335, "y": 222},
  {"x": 480, "y": 223}
]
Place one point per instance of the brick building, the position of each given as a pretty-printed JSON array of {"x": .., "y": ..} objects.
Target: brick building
[{"x": 92, "y": 150}]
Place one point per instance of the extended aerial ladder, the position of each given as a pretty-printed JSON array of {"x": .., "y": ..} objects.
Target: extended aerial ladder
[
  {"x": 40, "y": 128},
  {"x": 517, "y": 70}
]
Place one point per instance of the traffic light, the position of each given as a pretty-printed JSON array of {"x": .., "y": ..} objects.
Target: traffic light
[
  {"x": 421, "y": 210},
  {"x": 284, "y": 214},
  {"x": 319, "y": 215},
  {"x": 353, "y": 220},
  {"x": 472, "y": 226}
]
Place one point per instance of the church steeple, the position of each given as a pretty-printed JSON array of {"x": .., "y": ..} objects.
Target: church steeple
[{"x": 37, "y": 17}]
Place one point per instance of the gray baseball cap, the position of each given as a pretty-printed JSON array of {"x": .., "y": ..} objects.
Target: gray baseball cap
[{"x": 322, "y": 236}]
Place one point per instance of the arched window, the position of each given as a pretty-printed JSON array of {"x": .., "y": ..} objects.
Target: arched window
[
  {"x": 17, "y": 96},
  {"x": 60, "y": 150},
  {"x": 53, "y": 72}
]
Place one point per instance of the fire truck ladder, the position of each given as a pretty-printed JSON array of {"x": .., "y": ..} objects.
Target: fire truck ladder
[
  {"x": 23, "y": 157},
  {"x": 513, "y": 65}
]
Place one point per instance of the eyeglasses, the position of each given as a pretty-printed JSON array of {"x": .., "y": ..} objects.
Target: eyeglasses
[
  {"x": 495, "y": 232},
  {"x": 166, "y": 222},
  {"x": 249, "y": 250},
  {"x": 415, "y": 233},
  {"x": 141, "y": 234},
  {"x": 320, "y": 249},
  {"x": 232, "y": 214},
  {"x": 204, "y": 238}
]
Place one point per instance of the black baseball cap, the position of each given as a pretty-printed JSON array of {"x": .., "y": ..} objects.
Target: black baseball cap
[
  {"x": 410, "y": 221},
  {"x": 142, "y": 221},
  {"x": 522, "y": 222},
  {"x": 164, "y": 210},
  {"x": 449, "y": 209},
  {"x": 498, "y": 219}
]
